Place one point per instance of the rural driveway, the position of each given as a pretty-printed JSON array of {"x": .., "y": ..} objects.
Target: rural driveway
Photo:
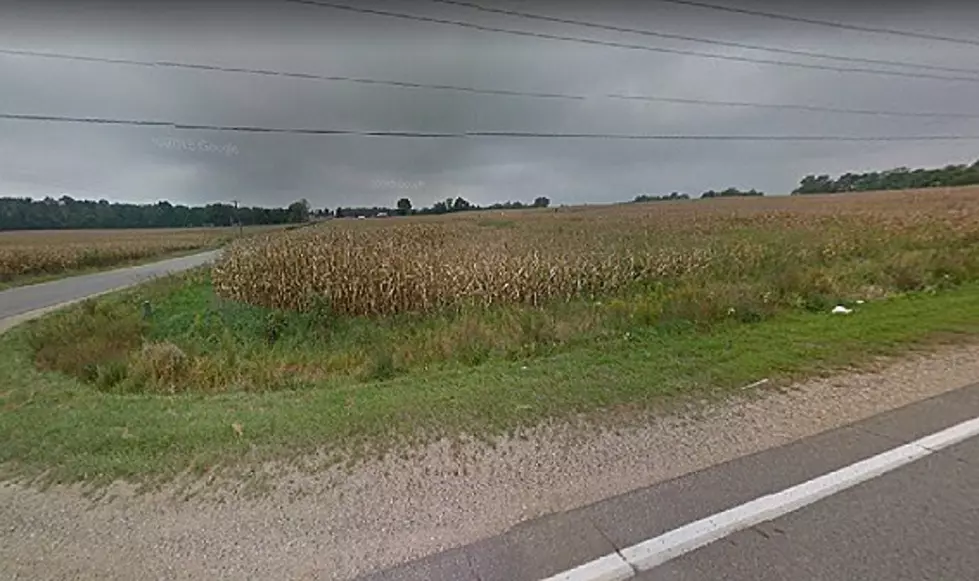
[{"x": 20, "y": 303}]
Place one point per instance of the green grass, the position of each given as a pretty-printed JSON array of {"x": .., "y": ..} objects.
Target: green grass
[{"x": 108, "y": 421}]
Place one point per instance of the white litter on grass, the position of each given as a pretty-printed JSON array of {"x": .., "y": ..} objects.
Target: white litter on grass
[
  {"x": 860, "y": 301},
  {"x": 841, "y": 310},
  {"x": 758, "y": 383}
]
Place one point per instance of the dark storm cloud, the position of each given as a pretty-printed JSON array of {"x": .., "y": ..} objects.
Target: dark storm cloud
[{"x": 198, "y": 166}]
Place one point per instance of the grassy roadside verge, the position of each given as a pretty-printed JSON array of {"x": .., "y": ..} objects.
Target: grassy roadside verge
[{"x": 67, "y": 430}]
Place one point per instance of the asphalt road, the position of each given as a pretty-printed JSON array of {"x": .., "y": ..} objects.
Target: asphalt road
[
  {"x": 17, "y": 303},
  {"x": 918, "y": 522}
]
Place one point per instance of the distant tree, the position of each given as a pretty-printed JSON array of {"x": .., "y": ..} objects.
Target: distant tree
[
  {"x": 67, "y": 212},
  {"x": 650, "y": 198},
  {"x": 461, "y": 204},
  {"x": 404, "y": 206},
  {"x": 899, "y": 178},
  {"x": 299, "y": 211},
  {"x": 731, "y": 193}
]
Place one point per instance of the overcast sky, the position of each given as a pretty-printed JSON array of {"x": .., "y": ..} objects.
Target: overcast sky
[{"x": 147, "y": 164}]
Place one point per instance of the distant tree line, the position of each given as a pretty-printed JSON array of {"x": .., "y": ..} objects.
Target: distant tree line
[
  {"x": 68, "y": 213},
  {"x": 730, "y": 193},
  {"x": 664, "y": 198},
  {"x": 404, "y": 207},
  {"x": 900, "y": 178}
]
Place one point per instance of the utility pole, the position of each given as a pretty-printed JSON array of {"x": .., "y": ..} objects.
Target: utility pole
[{"x": 237, "y": 217}]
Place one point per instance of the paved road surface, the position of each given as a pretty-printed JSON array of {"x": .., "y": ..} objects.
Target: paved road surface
[
  {"x": 918, "y": 522},
  {"x": 17, "y": 302}
]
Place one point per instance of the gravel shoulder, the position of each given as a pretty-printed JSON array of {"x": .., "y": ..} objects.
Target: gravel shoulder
[{"x": 337, "y": 523}]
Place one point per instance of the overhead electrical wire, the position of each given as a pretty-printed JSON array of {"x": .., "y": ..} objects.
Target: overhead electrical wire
[
  {"x": 484, "y": 90},
  {"x": 794, "y": 107},
  {"x": 628, "y": 46},
  {"x": 499, "y": 92},
  {"x": 466, "y": 134},
  {"x": 827, "y": 23},
  {"x": 702, "y": 40},
  {"x": 277, "y": 73}
]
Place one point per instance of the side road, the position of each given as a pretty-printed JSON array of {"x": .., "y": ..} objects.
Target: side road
[{"x": 21, "y": 303}]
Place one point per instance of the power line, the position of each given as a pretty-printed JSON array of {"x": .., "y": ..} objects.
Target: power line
[
  {"x": 646, "y": 32},
  {"x": 628, "y": 46},
  {"x": 828, "y": 23},
  {"x": 276, "y": 73},
  {"x": 793, "y": 107},
  {"x": 485, "y": 91},
  {"x": 469, "y": 134},
  {"x": 490, "y": 91}
]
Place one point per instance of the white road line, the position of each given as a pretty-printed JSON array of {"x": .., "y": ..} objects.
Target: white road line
[
  {"x": 659, "y": 550},
  {"x": 608, "y": 568}
]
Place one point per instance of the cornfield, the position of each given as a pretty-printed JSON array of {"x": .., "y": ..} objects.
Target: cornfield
[
  {"x": 842, "y": 244},
  {"x": 24, "y": 253}
]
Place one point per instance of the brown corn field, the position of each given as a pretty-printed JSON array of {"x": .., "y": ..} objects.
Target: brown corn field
[
  {"x": 35, "y": 252},
  {"x": 851, "y": 243}
]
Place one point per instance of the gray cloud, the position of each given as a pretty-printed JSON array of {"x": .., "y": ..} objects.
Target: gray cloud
[{"x": 128, "y": 163}]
